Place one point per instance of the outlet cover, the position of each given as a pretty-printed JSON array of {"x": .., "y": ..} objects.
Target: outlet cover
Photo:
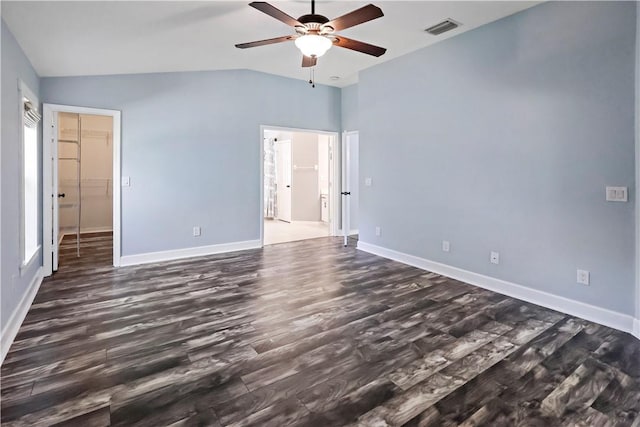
[
  {"x": 617, "y": 194},
  {"x": 445, "y": 246},
  {"x": 378, "y": 231},
  {"x": 196, "y": 231},
  {"x": 367, "y": 182},
  {"x": 583, "y": 277},
  {"x": 495, "y": 258}
]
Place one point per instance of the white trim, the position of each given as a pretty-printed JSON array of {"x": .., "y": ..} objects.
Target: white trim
[
  {"x": 603, "y": 316},
  {"x": 19, "y": 313},
  {"x": 188, "y": 252},
  {"x": 336, "y": 178},
  {"x": 26, "y": 266},
  {"x": 49, "y": 152},
  {"x": 636, "y": 328},
  {"x": 24, "y": 91},
  {"x": 93, "y": 230},
  {"x": 334, "y": 194},
  {"x": 86, "y": 231}
]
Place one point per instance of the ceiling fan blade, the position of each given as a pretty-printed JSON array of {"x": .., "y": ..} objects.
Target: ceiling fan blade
[
  {"x": 274, "y": 12},
  {"x": 308, "y": 61},
  {"x": 265, "y": 42},
  {"x": 358, "y": 16},
  {"x": 356, "y": 45}
]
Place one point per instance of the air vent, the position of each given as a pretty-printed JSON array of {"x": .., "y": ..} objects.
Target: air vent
[{"x": 443, "y": 27}]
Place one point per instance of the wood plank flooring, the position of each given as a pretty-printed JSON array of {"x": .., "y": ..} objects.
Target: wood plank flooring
[{"x": 307, "y": 333}]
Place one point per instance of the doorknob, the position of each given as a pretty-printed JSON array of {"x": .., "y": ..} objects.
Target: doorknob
[{"x": 61, "y": 194}]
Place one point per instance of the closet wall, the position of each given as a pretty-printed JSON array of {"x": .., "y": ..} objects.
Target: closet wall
[{"x": 96, "y": 169}]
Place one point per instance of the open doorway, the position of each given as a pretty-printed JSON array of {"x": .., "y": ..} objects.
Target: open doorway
[
  {"x": 81, "y": 186},
  {"x": 85, "y": 186},
  {"x": 297, "y": 185}
]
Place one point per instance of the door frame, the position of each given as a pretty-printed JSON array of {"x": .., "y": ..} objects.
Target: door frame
[
  {"x": 49, "y": 179},
  {"x": 334, "y": 172}
]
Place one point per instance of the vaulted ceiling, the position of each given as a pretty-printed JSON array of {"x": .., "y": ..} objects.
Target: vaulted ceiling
[{"x": 74, "y": 38}]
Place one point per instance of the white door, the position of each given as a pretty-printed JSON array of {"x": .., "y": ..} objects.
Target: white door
[
  {"x": 283, "y": 180},
  {"x": 349, "y": 183}
]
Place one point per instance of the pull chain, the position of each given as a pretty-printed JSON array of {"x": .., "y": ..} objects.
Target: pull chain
[{"x": 312, "y": 77}]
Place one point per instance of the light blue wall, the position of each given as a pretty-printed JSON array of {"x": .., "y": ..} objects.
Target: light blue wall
[
  {"x": 191, "y": 146},
  {"x": 350, "y": 107},
  {"x": 15, "y": 65},
  {"x": 504, "y": 138}
]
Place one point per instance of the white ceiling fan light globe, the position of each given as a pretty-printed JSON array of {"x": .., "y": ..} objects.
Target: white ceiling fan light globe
[{"x": 313, "y": 45}]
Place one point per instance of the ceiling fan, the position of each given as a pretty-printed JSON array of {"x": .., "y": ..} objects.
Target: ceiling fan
[{"x": 315, "y": 33}]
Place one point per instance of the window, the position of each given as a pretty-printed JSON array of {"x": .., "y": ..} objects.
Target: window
[{"x": 29, "y": 190}]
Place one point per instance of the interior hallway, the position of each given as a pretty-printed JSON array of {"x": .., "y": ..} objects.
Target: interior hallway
[{"x": 308, "y": 334}]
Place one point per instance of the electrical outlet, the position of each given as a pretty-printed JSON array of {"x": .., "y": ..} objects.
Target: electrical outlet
[
  {"x": 495, "y": 258},
  {"x": 583, "y": 277},
  {"x": 378, "y": 231},
  {"x": 196, "y": 231},
  {"x": 367, "y": 182},
  {"x": 445, "y": 246}
]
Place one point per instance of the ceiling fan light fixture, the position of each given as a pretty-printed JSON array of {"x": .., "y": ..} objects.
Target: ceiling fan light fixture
[{"x": 313, "y": 45}]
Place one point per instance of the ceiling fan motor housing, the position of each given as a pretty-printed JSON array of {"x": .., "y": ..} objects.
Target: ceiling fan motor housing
[{"x": 314, "y": 23}]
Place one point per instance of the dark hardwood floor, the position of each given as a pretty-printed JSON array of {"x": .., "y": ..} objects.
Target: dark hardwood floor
[{"x": 307, "y": 333}]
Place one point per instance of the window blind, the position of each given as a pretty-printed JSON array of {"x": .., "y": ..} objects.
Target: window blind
[{"x": 31, "y": 115}]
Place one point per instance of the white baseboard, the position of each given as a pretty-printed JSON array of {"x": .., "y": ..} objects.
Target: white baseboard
[
  {"x": 636, "y": 328},
  {"x": 603, "y": 316},
  {"x": 96, "y": 230},
  {"x": 17, "y": 317},
  {"x": 89, "y": 230},
  {"x": 188, "y": 252}
]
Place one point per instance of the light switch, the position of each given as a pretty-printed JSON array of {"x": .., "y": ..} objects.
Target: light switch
[
  {"x": 126, "y": 181},
  {"x": 617, "y": 194}
]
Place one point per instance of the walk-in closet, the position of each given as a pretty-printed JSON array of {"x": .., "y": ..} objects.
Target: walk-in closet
[{"x": 85, "y": 181}]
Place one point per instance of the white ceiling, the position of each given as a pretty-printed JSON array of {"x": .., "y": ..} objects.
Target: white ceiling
[{"x": 75, "y": 38}]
